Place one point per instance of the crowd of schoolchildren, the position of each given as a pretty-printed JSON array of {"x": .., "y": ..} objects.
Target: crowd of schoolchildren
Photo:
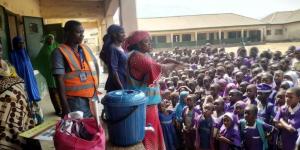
[{"x": 230, "y": 101}]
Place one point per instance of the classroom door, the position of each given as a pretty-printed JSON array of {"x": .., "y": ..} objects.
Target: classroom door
[
  {"x": 34, "y": 32},
  {"x": 56, "y": 30},
  {"x": 3, "y": 33},
  {"x": 12, "y": 26}
]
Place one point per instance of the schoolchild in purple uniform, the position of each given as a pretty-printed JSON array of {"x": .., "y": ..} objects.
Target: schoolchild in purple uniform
[
  {"x": 288, "y": 119},
  {"x": 239, "y": 77},
  {"x": 251, "y": 93},
  {"x": 279, "y": 104},
  {"x": 189, "y": 134},
  {"x": 243, "y": 89},
  {"x": 215, "y": 90},
  {"x": 244, "y": 69},
  {"x": 278, "y": 78},
  {"x": 265, "y": 108},
  {"x": 280, "y": 100},
  {"x": 204, "y": 128},
  {"x": 219, "y": 111},
  {"x": 167, "y": 121},
  {"x": 239, "y": 108},
  {"x": 254, "y": 132},
  {"x": 234, "y": 96},
  {"x": 267, "y": 78},
  {"x": 229, "y": 136}
]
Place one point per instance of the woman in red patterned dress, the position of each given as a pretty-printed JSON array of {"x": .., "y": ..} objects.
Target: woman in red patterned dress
[{"x": 143, "y": 73}]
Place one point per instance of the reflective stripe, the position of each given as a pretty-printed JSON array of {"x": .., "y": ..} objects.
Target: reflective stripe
[
  {"x": 70, "y": 56},
  {"x": 76, "y": 74},
  {"x": 94, "y": 73},
  {"x": 78, "y": 88},
  {"x": 89, "y": 50}
]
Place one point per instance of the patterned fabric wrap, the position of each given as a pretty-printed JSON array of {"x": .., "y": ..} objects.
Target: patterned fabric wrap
[{"x": 15, "y": 114}]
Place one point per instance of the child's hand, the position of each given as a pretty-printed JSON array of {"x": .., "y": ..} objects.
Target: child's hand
[{"x": 291, "y": 128}]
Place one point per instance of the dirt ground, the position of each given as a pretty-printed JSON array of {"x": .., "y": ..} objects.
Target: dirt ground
[{"x": 281, "y": 46}]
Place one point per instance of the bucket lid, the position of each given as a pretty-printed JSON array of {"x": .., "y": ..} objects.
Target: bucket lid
[{"x": 124, "y": 98}]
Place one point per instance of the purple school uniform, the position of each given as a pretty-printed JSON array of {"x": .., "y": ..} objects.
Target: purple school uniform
[
  {"x": 251, "y": 138},
  {"x": 233, "y": 135},
  {"x": 266, "y": 114},
  {"x": 289, "y": 138},
  {"x": 229, "y": 107},
  {"x": 247, "y": 78},
  {"x": 272, "y": 97},
  {"x": 249, "y": 101}
]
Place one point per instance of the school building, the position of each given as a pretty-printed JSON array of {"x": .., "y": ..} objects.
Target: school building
[
  {"x": 221, "y": 29},
  {"x": 32, "y": 19},
  {"x": 283, "y": 26}
]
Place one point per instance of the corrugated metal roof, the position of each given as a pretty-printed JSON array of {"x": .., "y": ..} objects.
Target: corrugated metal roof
[
  {"x": 282, "y": 17},
  {"x": 195, "y": 22}
]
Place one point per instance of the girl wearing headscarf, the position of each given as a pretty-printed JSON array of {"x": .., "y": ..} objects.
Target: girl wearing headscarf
[
  {"x": 291, "y": 76},
  {"x": 229, "y": 135},
  {"x": 143, "y": 74},
  {"x": 179, "y": 107},
  {"x": 21, "y": 61},
  {"x": 113, "y": 55},
  {"x": 42, "y": 64}
]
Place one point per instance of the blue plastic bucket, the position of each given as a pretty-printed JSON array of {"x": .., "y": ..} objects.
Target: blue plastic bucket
[{"x": 125, "y": 114}]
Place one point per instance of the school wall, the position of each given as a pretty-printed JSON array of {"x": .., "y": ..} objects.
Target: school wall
[
  {"x": 208, "y": 30},
  {"x": 23, "y": 7},
  {"x": 293, "y": 31},
  {"x": 273, "y": 37}
]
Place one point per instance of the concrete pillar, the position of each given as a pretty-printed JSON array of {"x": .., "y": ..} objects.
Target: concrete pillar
[
  {"x": 242, "y": 33},
  {"x": 196, "y": 38},
  {"x": 171, "y": 39},
  {"x": 109, "y": 21},
  {"x": 207, "y": 36},
  {"x": 128, "y": 17},
  {"x": 220, "y": 36},
  {"x": 262, "y": 35},
  {"x": 180, "y": 37}
]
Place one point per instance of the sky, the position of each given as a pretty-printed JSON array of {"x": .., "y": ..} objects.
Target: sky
[{"x": 250, "y": 8}]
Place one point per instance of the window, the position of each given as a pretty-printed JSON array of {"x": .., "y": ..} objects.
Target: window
[
  {"x": 222, "y": 35},
  {"x": 234, "y": 35},
  {"x": 176, "y": 38},
  {"x": 268, "y": 32},
  {"x": 161, "y": 39},
  {"x": 186, "y": 37},
  {"x": 33, "y": 28},
  {"x": 278, "y": 32},
  {"x": 201, "y": 36},
  {"x": 245, "y": 33}
]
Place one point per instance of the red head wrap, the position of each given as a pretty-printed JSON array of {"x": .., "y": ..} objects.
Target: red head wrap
[{"x": 135, "y": 38}]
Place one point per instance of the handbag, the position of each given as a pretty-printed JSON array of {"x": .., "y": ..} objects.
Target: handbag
[{"x": 85, "y": 134}]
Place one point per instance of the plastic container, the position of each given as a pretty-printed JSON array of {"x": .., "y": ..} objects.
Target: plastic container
[{"x": 125, "y": 114}]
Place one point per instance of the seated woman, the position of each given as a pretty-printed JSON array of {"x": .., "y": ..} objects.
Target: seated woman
[{"x": 15, "y": 115}]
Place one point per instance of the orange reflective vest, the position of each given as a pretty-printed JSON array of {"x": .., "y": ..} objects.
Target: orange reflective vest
[{"x": 74, "y": 85}]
